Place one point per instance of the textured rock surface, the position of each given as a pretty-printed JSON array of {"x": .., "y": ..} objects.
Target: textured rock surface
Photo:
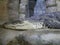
[
  {"x": 51, "y": 20},
  {"x": 3, "y": 11},
  {"x": 13, "y": 9},
  {"x": 42, "y": 37},
  {"x": 40, "y": 8},
  {"x": 31, "y": 5},
  {"x": 51, "y": 6}
]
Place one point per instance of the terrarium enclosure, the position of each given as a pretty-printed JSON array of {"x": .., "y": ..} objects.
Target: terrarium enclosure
[{"x": 29, "y": 22}]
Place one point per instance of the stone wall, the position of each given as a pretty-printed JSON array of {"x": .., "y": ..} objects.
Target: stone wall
[
  {"x": 53, "y": 5},
  {"x": 13, "y": 7},
  {"x": 4, "y": 16},
  {"x": 31, "y": 5},
  {"x": 58, "y": 5},
  {"x": 23, "y": 9},
  {"x": 3, "y": 10}
]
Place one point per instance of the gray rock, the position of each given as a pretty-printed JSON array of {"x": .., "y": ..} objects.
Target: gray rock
[
  {"x": 40, "y": 39},
  {"x": 13, "y": 9},
  {"x": 40, "y": 7},
  {"x": 52, "y": 20}
]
